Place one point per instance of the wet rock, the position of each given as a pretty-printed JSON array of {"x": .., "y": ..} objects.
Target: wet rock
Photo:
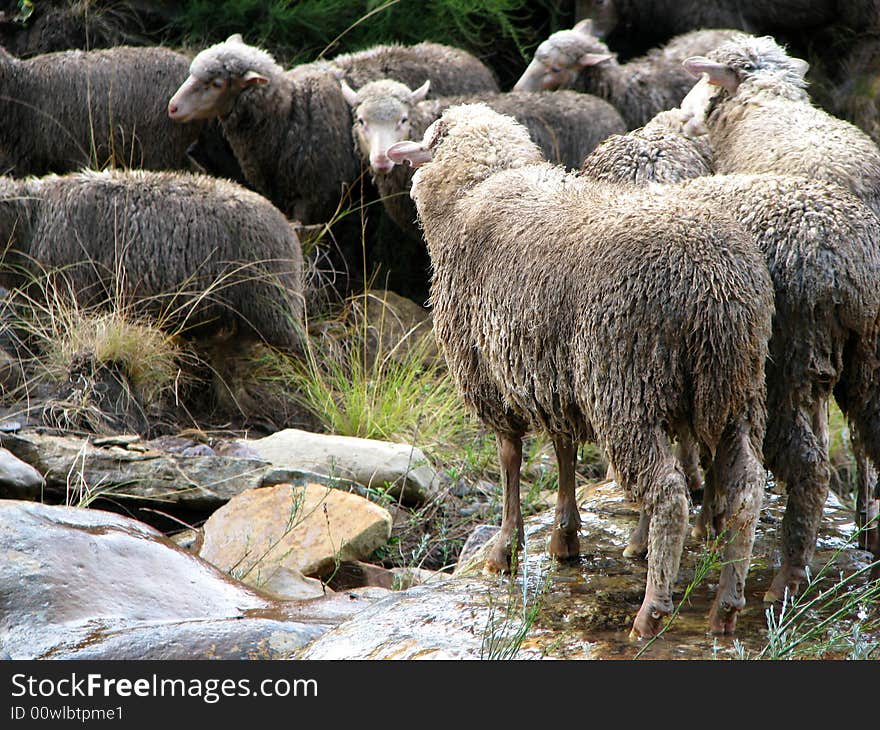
[
  {"x": 134, "y": 470},
  {"x": 372, "y": 463},
  {"x": 16, "y": 475},
  {"x": 198, "y": 450},
  {"x": 189, "y": 539},
  {"x": 583, "y": 609},
  {"x": 479, "y": 536},
  {"x": 78, "y": 583},
  {"x": 270, "y": 538}
]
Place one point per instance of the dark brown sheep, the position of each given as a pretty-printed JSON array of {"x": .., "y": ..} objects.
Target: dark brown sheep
[
  {"x": 820, "y": 245},
  {"x": 199, "y": 253},
  {"x": 72, "y": 109}
]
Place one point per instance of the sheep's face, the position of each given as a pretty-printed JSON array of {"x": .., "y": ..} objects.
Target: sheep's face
[
  {"x": 749, "y": 59},
  {"x": 560, "y": 59},
  {"x": 210, "y": 96},
  {"x": 694, "y": 108},
  {"x": 381, "y": 120}
]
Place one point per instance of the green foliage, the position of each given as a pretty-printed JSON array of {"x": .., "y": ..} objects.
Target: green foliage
[{"x": 501, "y": 32}]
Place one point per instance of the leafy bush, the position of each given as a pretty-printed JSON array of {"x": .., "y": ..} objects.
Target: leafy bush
[{"x": 501, "y": 32}]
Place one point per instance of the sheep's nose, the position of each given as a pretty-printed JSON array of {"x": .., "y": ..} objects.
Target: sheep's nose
[
  {"x": 381, "y": 163},
  {"x": 172, "y": 109}
]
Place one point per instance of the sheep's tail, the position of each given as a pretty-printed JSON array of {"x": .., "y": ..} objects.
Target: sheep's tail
[{"x": 728, "y": 344}]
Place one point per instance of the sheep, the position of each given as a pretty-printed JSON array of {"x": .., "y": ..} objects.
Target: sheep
[
  {"x": 289, "y": 130},
  {"x": 67, "y": 110},
  {"x": 654, "y": 21},
  {"x": 450, "y": 70},
  {"x": 596, "y": 315},
  {"x": 820, "y": 245},
  {"x": 760, "y": 119},
  {"x": 566, "y": 126},
  {"x": 199, "y": 253},
  {"x": 656, "y": 152},
  {"x": 639, "y": 89}
]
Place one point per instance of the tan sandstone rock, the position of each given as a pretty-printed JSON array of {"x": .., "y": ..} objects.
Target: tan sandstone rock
[{"x": 270, "y": 537}]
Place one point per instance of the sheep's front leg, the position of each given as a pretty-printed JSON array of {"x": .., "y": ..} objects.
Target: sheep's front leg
[
  {"x": 510, "y": 456},
  {"x": 666, "y": 501},
  {"x": 564, "y": 540},
  {"x": 637, "y": 547}
]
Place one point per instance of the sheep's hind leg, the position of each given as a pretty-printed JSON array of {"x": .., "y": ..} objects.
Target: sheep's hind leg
[
  {"x": 804, "y": 470},
  {"x": 866, "y": 496},
  {"x": 510, "y": 456},
  {"x": 564, "y": 540},
  {"x": 667, "y": 503},
  {"x": 738, "y": 474}
]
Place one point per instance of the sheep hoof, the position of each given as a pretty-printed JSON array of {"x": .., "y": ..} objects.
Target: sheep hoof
[
  {"x": 565, "y": 545},
  {"x": 722, "y": 618},
  {"x": 787, "y": 578},
  {"x": 498, "y": 559},
  {"x": 648, "y": 621},
  {"x": 635, "y": 551}
]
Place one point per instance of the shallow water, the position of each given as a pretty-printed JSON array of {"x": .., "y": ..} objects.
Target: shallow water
[{"x": 586, "y": 606}]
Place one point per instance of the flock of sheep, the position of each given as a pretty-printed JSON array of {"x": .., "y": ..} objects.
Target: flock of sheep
[{"x": 682, "y": 271}]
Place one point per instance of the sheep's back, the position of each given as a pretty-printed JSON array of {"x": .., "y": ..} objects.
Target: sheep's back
[
  {"x": 604, "y": 309},
  {"x": 94, "y": 106},
  {"x": 647, "y": 156},
  {"x": 450, "y": 70},
  {"x": 775, "y": 135},
  {"x": 163, "y": 240}
]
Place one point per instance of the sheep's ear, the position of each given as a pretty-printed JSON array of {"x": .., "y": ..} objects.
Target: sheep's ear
[
  {"x": 350, "y": 94},
  {"x": 718, "y": 73},
  {"x": 419, "y": 94},
  {"x": 801, "y": 66},
  {"x": 584, "y": 27},
  {"x": 593, "y": 59},
  {"x": 252, "y": 78},
  {"x": 235, "y": 38}
]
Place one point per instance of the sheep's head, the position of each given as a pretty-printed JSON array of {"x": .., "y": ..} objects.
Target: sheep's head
[
  {"x": 746, "y": 58},
  {"x": 560, "y": 58},
  {"x": 474, "y": 140},
  {"x": 382, "y": 117},
  {"x": 217, "y": 76}
]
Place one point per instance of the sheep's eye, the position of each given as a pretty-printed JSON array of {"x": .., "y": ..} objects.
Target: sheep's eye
[
  {"x": 403, "y": 120},
  {"x": 360, "y": 121},
  {"x": 218, "y": 83},
  {"x": 555, "y": 69}
]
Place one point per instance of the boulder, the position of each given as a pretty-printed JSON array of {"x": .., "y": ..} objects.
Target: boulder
[
  {"x": 397, "y": 327},
  {"x": 376, "y": 464},
  {"x": 270, "y": 538},
  {"x": 78, "y": 583},
  {"x": 124, "y": 467},
  {"x": 17, "y": 476}
]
